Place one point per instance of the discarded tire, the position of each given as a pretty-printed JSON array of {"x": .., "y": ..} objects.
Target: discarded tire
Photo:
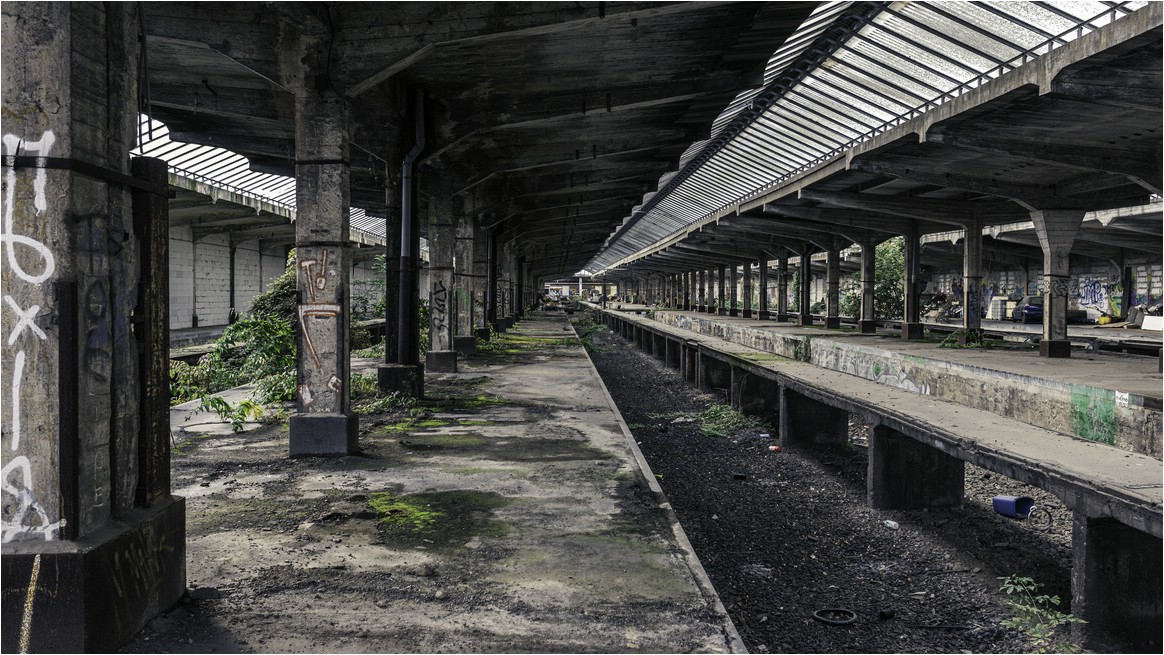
[{"x": 835, "y": 616}]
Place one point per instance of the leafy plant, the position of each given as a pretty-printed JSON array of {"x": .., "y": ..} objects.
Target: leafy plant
[
  {"x": 245, "y": 410},
  {"x": 396, "y": 511},
  {"x": 1035, "y": 614},
  {"x": 724, "y": 421}
]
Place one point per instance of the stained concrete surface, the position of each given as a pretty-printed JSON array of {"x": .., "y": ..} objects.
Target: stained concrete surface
[{"x": 550, "y": 537}]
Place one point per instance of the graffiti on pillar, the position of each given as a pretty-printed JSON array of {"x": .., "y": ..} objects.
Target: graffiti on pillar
[
  {"x": 23, "y": 513},
  {"x": 315, "y": 273},
  {"x": 439, "y": 306},
  {"x": 311, "y": 314},
  {"x": 1057, "y": 286}
]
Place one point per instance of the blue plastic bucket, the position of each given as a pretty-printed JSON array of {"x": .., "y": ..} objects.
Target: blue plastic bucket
[{"x": 1016, "y": 507}]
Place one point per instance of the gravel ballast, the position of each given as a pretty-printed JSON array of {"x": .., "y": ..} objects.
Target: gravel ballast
[{"x": 784, "y": 534}]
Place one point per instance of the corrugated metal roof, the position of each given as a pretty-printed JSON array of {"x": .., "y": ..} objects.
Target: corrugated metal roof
[
  {"x": 231, "y": 171},
  {"x": 852, "y": 71}
]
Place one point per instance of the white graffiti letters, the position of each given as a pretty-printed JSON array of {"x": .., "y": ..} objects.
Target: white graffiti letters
[
  {"x": 23, "y": 514},
  {"x": 13, "y": 147},
  {"x": 26, "y": 319}
]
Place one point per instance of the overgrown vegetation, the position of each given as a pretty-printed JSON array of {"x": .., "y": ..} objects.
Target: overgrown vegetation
[
  {"x": 888, "y": 290},
  {"x": 1036, "y": 615},
  {"x": 586, "y": 327},
  {"x": 260, "y": 349},
  {"x": 393, "y": 510},
  {"x": 724, "y": 421}
]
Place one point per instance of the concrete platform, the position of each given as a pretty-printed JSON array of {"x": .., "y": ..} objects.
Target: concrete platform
[
  {"x": 557, "y": 536},
  {"x": 1104, "y": 397}
]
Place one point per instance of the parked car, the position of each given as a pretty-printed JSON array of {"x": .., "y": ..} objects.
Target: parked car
[{"x": 1028, "y": 310}]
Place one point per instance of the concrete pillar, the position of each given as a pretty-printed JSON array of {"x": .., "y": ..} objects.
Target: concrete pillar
[
  {"x": 492, "y": 284},
  {"x": 442, "y": 230},
  {"x": 1056, "y": 229},
  {"x": 763, "y": 314},
  {"x": 833, "y": 287},
  {"x": 702, "y": 290},
  {"x": 806, "y": 420},
  {"x": 93, "y": 542},
  {"x": 782, "y": 289},
  {"x": 867, "y": 322},
  {"x": 464, "y": 339},
  {"x": 907, "y": 474},
  {"x": 686, "y": 278},
  {"x": 721, "y": 299},
  {"x": 481, "y": 282},
  {"x": 748, "y": 290},
  {"x": 733, "y": 296},
  {"x": 972, "y": 284},
  {"x": 804, "y": 317},
  {"x": 1115, "y": 582},
  {"x": 911, "y": 325},
  {"x": 605, "y": 291},
  {"x": 323, "y": 423}
]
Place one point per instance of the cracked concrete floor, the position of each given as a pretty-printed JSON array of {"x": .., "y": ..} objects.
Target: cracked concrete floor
[{"x": 547, "y": 534}]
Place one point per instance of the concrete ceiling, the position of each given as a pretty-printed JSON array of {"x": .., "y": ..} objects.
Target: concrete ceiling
[{"x": 552, "y": 119}]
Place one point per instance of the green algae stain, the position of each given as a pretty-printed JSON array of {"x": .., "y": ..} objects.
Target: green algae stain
[{"x": 1093, "y": 413}]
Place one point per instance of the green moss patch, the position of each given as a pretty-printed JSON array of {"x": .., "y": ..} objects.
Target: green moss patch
[{"x": 436, "y": 520}]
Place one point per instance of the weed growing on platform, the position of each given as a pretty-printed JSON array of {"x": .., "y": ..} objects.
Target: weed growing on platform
[
  {"x": 367, "y": 398},
  {"x": 973, "y": 339},
  {"x": 586, "y": 327},
  {"x": 393, "y": 510},
  {"x": 1035, "y": 614},
  {"x": 723, "y": 421}
]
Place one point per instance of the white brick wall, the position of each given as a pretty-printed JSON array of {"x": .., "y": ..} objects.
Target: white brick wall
[
  {"x": 181, "y": 277},
  {"x": 212, "y": 268},
  {"x": 210, "y": 277}
]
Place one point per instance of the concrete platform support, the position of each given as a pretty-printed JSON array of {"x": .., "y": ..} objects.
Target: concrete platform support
[
  {"x": 833, "y": 288},
  {"x": 323, "y": 423},
  {"x": 440, "y": 358},
  {"x": 464, "y": 284},
  {"x": 867, "y": 324},
  {"x": 1115, "y": 582},
  {"x": 94, "y": 544},
  {"x": 659, "y": 346},
  {"x": 713, "y": 373},
  {"x": 747, "y": 290},
  {"x": 907, "y": 474},
  {"x": 911, "y": 325},
  {"x": 700, "y": 291},
  {"x": 721, "y": 296},
  {"x": 754, "y": 394},
  {"x": 804, "y": 420},
  {"x": 971, "y": 283},
  {"x": 763, "y": 314},
  {"x": 1056, "y": 229},
  {"x": 803, "y": 317},
  {"x": 689, "y": 365},
  {"x": 733, "y": 295},
  {"x": 782, "y": 289},
  {"x": 673, "y": 354}
]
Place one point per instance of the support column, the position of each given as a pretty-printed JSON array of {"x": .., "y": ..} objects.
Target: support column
[
  {"x": 491, "y": 282},
  {"x": 972, "y": 284},
  {"x": 911, "y": 325},
  {"x": 94, "y": 544},
  {"x": 481, "y": 283},
  {"x": 1115, "y": 582},
  {"x": 323, "y": 423},
  {"x": 804, "y": 317},
  {"x": 686, "y": 278},
  {"x": 748, "y": 290},
  {"x": 440, "y": 358},
  {"x": 1056, "y": 229},
  {"x": 702, "y": 289},
  {"x": 733, "y": 296},
  {"x": 833, "y": 287},
  {"x": 907, "y": 474},
  {"x": 605, "y": 291},
  {"x": 721, "y": 305},
  {"x": 868, "y": 319},
  {"x": 464, "y": 340},
  {"x": 782, "y": 290},
  {"x": 405, "y": 374},
  {"x": 763, "y": 314}
]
